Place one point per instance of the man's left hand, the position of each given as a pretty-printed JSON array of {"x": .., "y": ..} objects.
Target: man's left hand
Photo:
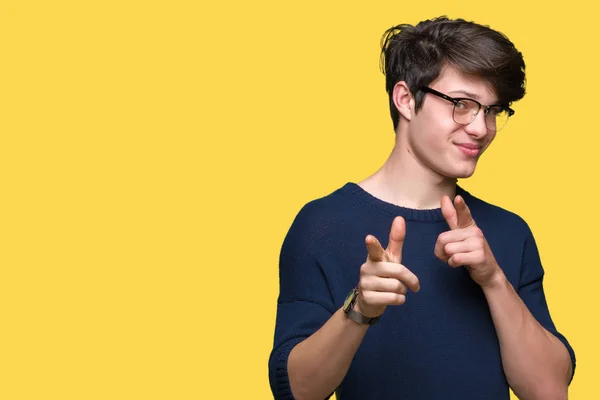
[{"x": 464, "y": 244}]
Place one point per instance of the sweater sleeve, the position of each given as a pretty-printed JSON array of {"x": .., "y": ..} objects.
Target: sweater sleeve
[
  {"x": 532, "y": 292},
  {"x": 305, "y": 301}
]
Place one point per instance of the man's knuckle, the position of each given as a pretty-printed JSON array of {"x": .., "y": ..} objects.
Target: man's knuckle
[
  {"x": 365, "y": 268},
  {"x": 400, "y": 288}
]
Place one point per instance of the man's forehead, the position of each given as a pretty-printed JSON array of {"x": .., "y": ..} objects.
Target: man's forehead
[{"x": 456, "y": 83}]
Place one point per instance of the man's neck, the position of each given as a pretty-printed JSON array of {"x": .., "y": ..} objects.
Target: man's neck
[{"x": 404, "y": 182}]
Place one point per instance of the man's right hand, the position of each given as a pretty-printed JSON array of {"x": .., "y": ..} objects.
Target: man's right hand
[{"x": 384, "y": 280}]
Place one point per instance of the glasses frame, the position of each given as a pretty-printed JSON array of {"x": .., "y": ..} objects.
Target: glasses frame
[{"x": 456, "y": 100}]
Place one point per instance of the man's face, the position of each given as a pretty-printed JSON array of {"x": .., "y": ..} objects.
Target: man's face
[{"x": 440, "y": 144}]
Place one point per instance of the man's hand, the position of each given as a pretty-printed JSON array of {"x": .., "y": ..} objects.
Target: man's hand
[
  {"x": 464, "y": 244},
  {"x": 383, "y": 279}
]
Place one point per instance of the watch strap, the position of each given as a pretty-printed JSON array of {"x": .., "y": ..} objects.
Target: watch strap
[
  {"x": 361, "y": 319},
  {"x": 355, "y": 315}
]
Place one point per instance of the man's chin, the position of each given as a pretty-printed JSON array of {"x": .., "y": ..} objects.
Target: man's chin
[
  {"x": 457, "y": 170},
  {"x": 464, "y": 173}
]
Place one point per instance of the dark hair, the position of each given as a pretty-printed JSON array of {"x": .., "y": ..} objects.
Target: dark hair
[{"x": 417, "y": 54}]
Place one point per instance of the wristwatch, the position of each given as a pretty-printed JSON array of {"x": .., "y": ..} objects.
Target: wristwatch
[{"x": 355, "y": 315}]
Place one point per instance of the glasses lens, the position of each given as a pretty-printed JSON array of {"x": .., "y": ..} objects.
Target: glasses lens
[
  {"x": 496, "y": 118},
  {"x": 465, "y": 111}
]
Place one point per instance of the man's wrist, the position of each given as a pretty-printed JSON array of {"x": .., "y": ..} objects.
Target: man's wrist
[
  {"x": 368, "y": 311},
  {"x": 498, "y": 280},
  {"x": 359, "y": 318},
  {"x": 351, "y": 310}
]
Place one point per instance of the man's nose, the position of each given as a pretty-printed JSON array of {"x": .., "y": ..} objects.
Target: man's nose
[{"x": 477, "y": 128}]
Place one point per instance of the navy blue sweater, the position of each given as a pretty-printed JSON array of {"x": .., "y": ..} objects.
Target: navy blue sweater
[{"x": 440, "y": 344}]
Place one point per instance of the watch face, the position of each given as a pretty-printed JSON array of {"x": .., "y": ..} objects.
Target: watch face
[{"x": 349, "y": 300}]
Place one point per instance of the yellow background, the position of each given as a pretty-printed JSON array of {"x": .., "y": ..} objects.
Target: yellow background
[{"x": 154, "y": 153}]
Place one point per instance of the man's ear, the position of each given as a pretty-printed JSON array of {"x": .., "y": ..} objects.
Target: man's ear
[{"x": 403, "y": 100}]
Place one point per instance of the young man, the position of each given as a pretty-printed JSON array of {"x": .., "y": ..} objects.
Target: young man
[{"x": 453, "y": 307}]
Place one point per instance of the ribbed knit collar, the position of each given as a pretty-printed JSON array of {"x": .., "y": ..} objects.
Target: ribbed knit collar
[{"x": 409, "y": 214}]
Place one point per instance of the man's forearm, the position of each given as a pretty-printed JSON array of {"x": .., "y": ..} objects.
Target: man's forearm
[
  {"x": 536, "y": 364},
  {"x": 317, "y": 365}
]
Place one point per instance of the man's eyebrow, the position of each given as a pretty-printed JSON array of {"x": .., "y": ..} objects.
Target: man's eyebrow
[
  {"x": 470, "y": 95},
  {"x": 466, "y": 93}
]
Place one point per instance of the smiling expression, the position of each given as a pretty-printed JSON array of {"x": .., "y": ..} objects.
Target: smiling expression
[{"x": 437, "y": 142}]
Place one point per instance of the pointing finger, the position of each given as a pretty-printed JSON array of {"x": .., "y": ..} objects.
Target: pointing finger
[
  {"x": 449, "y": 212},
  {"x": 397, "y": 235},
  {"x": 374, "y": 249},
  {"x": 463, "y": 213}
]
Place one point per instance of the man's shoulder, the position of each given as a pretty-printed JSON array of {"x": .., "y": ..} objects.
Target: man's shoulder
[
  {"x": 333, "y": 206},
  {"x": 494, "y": 216},
  {"x": 326, "y": 215}
]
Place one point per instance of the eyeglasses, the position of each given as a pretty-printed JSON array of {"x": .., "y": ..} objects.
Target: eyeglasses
[{"x": 466, "y": 110}]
